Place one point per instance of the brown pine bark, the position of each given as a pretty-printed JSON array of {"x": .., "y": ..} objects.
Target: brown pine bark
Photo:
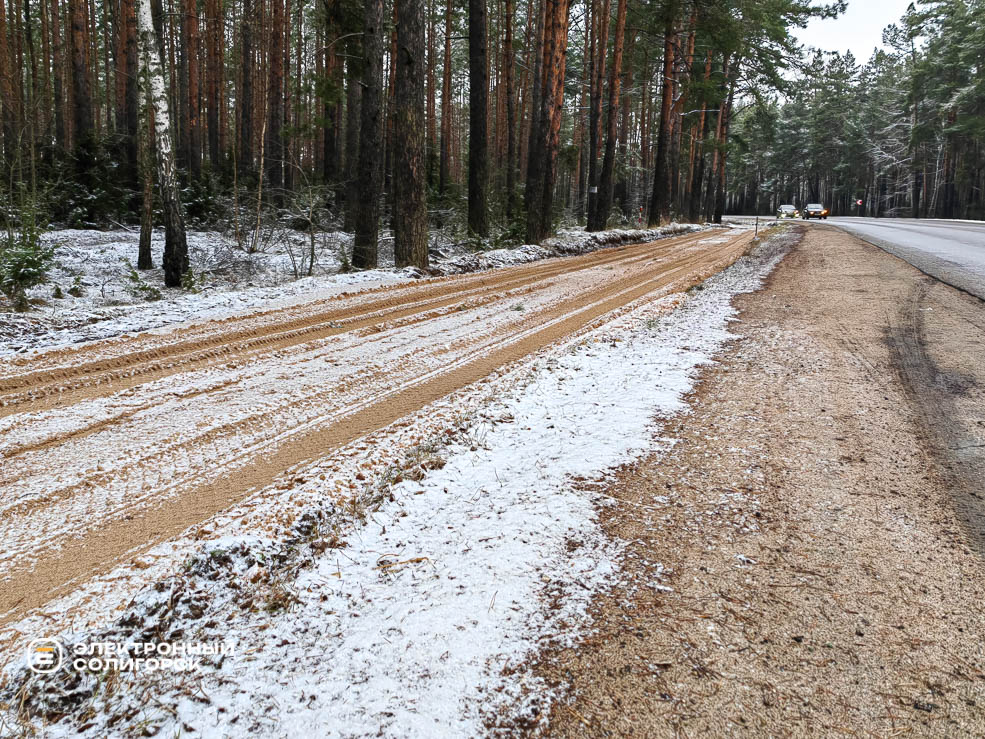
[
  {"x": 697, "y": 160},
  {"x": 6, "y": 91},
  {"x": 58, "y": 68},
  {"x": 683, "y": 68},
  {"x": 534, "y": 173},
  {"x": 46, "y": 68},
  {"x": 607, "y": 182},
  {"x": 546, "y": 129},
  {"x": 191, "y": 41},
  {"x": 510, "y": 112},
  {"x": 660, "y": 202},
  {"x": 581, "y": 128},
  {"x": 288, "y": 144},
  {"x": 432, "y": 119},
  {"x": 132, "y": 91},
  {"x": 723, "y": 139},
  {"x": 273, "y": 142},
  {"x": 410, "y": 227},
  {"x": 244, "y": 102},
  {"x": 81, "y": 92},
  {"x": 32, "y": 93},
  {"x": 599, "y": 44},
  {"x": 478, "y": 119},
  {"x": 694, "y": 210},
  {"x": 370, "y": 171},
  {"x": 353, "y": 100},
  {"x": 145, "y": 146},
  {"x": 445, "y": 156},
  {"x": 213, "y": 77},
  {"x": 332, "y": 66},
  {"x": 716, "y": 155},
  {"x": 621, "y": 192}
]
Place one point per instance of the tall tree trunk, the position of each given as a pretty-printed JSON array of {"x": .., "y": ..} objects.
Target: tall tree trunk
[
  {"x": 545, "y": 131},
  {"x": 410, "y": 218},
  {"x": 118, "y": 13},
  {"x": 132, "y": 92},
  {"x": 600, "y": 40},
  {"x": 478, "y": 118},
  {"x": 722, "y": 150},
  {"x": 175, "y": 243},
  {"x": 194, "y": 125},
  {"x": 214, "y": 21},
  {"x": 367, "y": 225},
  {"x": 58, "y": 75},
  {"x": 445, "y": 156},
  {"x": 607, "y": 183},
  {"x": 81, "y": 91},
  {"x": 916, "y": 176},
  {"x": 694, "y": 209},
  {"x": 660, "y": 202},
  {"x": 353, "y": 99},
  {"x": 145, "y": 146},
  {"x": 533, "y": 159},
  {"x": 288, "y": 144},
  {"x": 581, "y": 124},
  {"x": 510, "y": 113},
  {"x": 432, "y": 109},
  {"x": 180, "y": 46},
  {"x": 696, "y": 156},
  {"x": 244, "y": 102},
  {"x": 274, "y": 144},
  {"x": 332, "y": 73},
  {"x": 684, "y": 67},
  {"x": 710, "y": 195},
  {"x": 6, "y": 92},
  {"x": 621, "y": 192}
]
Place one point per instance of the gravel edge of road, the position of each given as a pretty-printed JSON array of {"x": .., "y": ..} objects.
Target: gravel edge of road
[
  {"x": 939, "y": 269},
  {"x": 762, "y": 612}
]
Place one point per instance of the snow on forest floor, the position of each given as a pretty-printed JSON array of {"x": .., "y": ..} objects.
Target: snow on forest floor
[
  {"x": 472, "y": 540},
  {"x": 102, "y": 296}
]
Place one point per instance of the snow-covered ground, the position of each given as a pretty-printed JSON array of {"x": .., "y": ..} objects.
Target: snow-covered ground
[
  {"x": 99, "y": 298},
  {"x": 411, "y": 611}
]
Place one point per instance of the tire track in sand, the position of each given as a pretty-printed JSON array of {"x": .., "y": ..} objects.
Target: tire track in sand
[
  {"x": 101, "y": 548},
  {"x": 54, "y": 387}
]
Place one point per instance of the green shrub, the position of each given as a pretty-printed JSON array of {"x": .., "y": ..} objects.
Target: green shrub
[
  {"x": 190, "y": 282},
  {"x": 78, "y": 289},
  {"x": 24, "y": 260},
  {"x": 139, "y": 289}
]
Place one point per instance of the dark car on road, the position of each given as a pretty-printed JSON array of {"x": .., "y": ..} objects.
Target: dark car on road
[{"x": 815, "y": 210}]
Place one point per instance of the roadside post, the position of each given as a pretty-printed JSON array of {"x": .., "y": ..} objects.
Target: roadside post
[{"x": 756, "y": 235}]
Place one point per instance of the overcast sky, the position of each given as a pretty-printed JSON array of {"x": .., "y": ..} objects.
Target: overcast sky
[{"x": 859, "y": 29}]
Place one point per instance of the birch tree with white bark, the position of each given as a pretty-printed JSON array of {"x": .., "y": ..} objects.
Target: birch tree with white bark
[{"x": 152, "y": 76}]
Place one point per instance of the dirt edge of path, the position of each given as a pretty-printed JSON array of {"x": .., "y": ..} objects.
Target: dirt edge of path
[{"x": 795, "y": 564}]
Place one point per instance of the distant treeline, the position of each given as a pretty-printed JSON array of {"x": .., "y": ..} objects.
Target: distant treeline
[{"x": 903, "y": 133}]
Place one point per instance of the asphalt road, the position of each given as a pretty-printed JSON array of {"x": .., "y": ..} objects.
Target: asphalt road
[{"x": 951, "y": 251}]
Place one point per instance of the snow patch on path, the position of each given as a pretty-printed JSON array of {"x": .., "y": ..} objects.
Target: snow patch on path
[
  {"x": 230, "y": 282},
  {"x": 407, "y": 631}
]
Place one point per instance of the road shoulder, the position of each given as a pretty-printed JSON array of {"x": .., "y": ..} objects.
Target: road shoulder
[{"x": 795, "y": 562}]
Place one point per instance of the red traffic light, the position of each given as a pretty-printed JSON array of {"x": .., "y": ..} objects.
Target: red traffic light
[{"x": 858, "y": 202}]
